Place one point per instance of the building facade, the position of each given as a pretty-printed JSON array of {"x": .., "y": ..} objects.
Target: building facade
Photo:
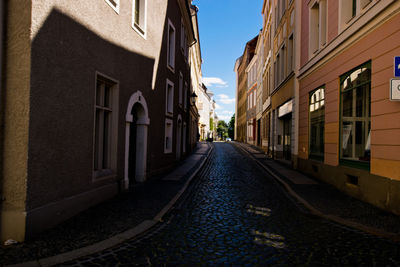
[
  {"x": 87, "y": 89},
  {"x": 266, "y": 74},
  {"x": 251, "y": 71},
  {"x": 348, "y": 124},
  {"x": 242, "y": 101},
  {"x": 283, "y": 92}
]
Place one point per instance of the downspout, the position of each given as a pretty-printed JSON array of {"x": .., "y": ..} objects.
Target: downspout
[{"x": 3, "y": 7}]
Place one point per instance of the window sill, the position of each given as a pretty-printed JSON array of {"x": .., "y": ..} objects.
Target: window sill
[
  {"x": 105, "y": 174},
  {"x": 171, "y": 68},
  {"x": 363, "y": 165},
  {"x": 316, "y": 158},
  {"x": 139, "y": 30}
]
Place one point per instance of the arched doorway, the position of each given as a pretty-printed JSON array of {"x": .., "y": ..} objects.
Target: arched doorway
[
  {"x": 137, "y": 122},
  {"x": 179, "y": 138}
]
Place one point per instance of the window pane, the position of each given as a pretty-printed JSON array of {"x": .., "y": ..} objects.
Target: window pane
[
  {"x": 347, "y": 139},
  {"x": 362, "y": 146},
  {"x": 107, "y": 96},
  {"x": 361, "y": 102},
  {"x": 99, "y": 87},
  {"x": 317, "y": 124},
  {"x": 347, "y": 103},
  {"x": 106, "y": 140},
  {"x": 137, "y": 12},
  {"x": 97, "y": 140}
]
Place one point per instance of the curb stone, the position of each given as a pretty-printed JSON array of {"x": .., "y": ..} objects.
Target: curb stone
[
  {"x": 358, "y": 226},
  {"x": 119, "y": 238}
]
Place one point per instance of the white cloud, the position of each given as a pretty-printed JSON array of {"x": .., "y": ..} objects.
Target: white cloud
[
  {"x": 225, "y": 115},
  {"x": 225, "y": 99},
  {"x": 225, "y": 118},
  {"x": 214, "y": 81},
  {"x": 217, "y": 106}
]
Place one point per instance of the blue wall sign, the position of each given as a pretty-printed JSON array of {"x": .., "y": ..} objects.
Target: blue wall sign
[{"x": 397, "y": 66}]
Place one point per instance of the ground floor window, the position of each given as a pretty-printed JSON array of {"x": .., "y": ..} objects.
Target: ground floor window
[
  {"x": 355, "y": 124},
  {"x": 168, "y": 136},
  {"x": 317, "y": 123},
  {"x": 105, "y": 126}
]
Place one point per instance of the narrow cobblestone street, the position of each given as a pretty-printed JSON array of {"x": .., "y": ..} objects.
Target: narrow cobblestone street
[{"x": 235, "y": 214}]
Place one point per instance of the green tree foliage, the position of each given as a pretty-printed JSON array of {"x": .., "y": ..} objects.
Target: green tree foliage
[
  {"x": 231, "y": 127},
  {"x": 222, "y": 129},
  {"x": 211, "y": 124}
]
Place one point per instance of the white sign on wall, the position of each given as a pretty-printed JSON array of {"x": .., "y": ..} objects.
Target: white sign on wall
[{"x": 395, "y": 89}]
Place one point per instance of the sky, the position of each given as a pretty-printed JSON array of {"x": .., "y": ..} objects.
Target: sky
[{"x": 225, "y": 27}]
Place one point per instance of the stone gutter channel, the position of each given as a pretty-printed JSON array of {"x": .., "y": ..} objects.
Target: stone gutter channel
[{"x": 140, "y": 229}]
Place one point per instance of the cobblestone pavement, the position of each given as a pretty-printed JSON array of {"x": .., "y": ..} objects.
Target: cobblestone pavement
[{"x": 236, "y": 215}]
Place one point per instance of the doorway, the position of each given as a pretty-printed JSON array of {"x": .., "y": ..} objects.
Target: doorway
[
  {"x": 132, "y": 146},
  {"x": 287, "y": 135},
  {"x": 137, "y": 122}
]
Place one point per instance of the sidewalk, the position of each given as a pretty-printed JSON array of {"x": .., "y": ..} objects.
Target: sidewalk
[
  {"x": 112, "y": 222},
  {"x": 326, "y": 201}
]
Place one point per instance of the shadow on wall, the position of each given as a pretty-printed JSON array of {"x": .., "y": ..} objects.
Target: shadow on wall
[
  {"x": 158, "y": 116},
  {"x": 65, "y": 59}
]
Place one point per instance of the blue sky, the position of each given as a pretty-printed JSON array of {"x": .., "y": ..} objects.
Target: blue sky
[{"x": 225, "y": 27}]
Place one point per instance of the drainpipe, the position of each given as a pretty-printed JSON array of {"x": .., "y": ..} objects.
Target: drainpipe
[{"x": 3, "y": 7}]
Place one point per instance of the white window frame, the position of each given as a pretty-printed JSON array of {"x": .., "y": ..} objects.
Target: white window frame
[
  {"x": 110, "y": 171},
  {"x": 115, "y": 8},
  {"x": 168, "y": 137},
  {"x": 169, "y": 98},
  {"x": 171, "y": 56},
  {"x": 318, "y": 25},
  {"x": 140, "y": 29}
]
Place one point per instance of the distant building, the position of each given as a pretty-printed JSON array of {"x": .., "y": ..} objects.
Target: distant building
[
  {"x": 267, "y": 79},
  {"x": 205, "y": 105},
  {"x": 242, "y": 101},
  {"x": 283, "y": 92},
  {"x": 96, "y": 98}
]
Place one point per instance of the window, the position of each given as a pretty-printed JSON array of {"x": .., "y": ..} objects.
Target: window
[
  {"x": 317, "y": 123},
  {"x": 180, "y": 87},
  {"x": 355, "y": 88},
  {"x": 171, "y": 46},
  {"x": 184, "y": 46},
  {"x": 364, "y": 3},
  {"x": 168, "y": 136},
  {"x": 348, "y": 10},
  {"x": 282, "y": 64},
  {"x": 254, "y": 98},
  {"x": 114, "y": 4},
  {"x": 314, "y": 28},
  {"x": 139, "y": 16},
  {"x": 290, "y": 54},
  {"x": 105, "y": 126},
  {"x": 185, "y": 96},
  {"x": 169, "y": 98},
  {"x": 182, "y": 36},
  {"x": 318, "y": 25},
  {"x": 276, "y": 70}
]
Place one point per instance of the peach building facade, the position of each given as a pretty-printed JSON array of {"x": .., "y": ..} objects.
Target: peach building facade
[{"x": 348, "y": 126}]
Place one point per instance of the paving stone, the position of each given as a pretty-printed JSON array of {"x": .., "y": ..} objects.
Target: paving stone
[{"x": 213, "y": 226}]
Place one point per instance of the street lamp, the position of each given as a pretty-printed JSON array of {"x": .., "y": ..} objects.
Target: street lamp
[{"x": 193, "y": 98}]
